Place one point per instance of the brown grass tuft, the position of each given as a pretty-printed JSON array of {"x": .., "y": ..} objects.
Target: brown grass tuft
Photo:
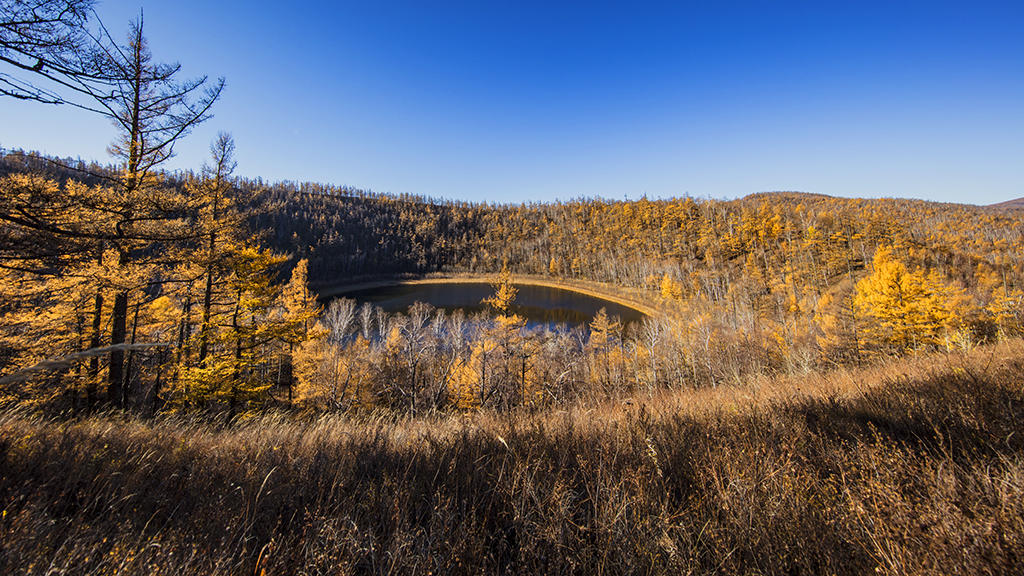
[{"x": 911, "y": 467}]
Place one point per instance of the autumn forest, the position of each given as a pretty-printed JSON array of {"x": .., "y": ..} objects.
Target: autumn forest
[
  {"x": 770, "y": 284},
  {"x": 185, "y": 387}
]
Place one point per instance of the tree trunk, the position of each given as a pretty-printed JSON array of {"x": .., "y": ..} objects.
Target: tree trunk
[
  {"x": 118, "y": 331},
  {"x": 119, "y": 314},
  {"x": 131, "y": 353},
  {"x": 236, "y": 370},
  {"x": 94, "y": 342},
  {"x": 204, "y": 339}
]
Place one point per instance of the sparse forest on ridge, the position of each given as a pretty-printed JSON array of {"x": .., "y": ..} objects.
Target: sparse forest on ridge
[
  {"x": 820, "y": 385},
  {"x": 770, "y": 284}
]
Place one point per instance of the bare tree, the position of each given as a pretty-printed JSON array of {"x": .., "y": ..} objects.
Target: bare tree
[
  {"x": 366, "y": 320},
  {"x": 652, "y": 332},
  {"x": 45, "y": 47},
  {"x": 417, "y": 344},
  {"x": 339, "y": 319}
]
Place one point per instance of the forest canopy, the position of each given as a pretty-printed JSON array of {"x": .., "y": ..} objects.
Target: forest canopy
[
  {"x": 766, "y": 284},
  {"x": 132, "y": 286}
]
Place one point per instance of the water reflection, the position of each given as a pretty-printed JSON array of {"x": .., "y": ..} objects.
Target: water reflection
[{"x": 539, "y": 305}]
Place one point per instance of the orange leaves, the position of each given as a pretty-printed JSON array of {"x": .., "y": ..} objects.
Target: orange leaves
[
  {"x": 905, "y": 309},
  {"x": 671, "y": 288},
  {"x": 504, "y": 292}
]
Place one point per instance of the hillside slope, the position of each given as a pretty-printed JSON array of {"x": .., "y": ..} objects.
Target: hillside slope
[
  {"x": 912, "y": 466},
  {"x": 1009, "y": 204}
]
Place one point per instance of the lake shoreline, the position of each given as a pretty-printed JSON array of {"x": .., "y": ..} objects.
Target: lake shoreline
[{"x": 594, "y": 290}]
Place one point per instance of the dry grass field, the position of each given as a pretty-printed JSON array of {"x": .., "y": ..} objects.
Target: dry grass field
[{"x": 914, "y": 466}]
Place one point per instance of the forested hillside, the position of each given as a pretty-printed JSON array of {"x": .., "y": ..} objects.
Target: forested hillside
[
  {"x": 786, "y": 265},
  {"x": 706, "y": 245},
  {"x": 770, "y": 283},
  {"x": 1016, "y": 203},
  {"x": 205, "y": 373}
]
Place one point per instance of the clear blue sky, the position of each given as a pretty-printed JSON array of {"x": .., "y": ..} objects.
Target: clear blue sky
[{"x": 511, "y": 101}]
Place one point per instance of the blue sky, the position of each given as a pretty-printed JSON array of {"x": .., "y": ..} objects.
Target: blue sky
[{"x": 511, "y": 101}]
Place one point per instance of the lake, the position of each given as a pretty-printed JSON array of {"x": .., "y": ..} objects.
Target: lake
[{"x": 540, "y": 305}]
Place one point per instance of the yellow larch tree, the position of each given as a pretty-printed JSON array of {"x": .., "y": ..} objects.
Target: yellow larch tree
[
  {"x": 904, "y": 309},
  {"x": 671, "y": 288},
  {"x": 297, "y": 322},
  {"x": 504, "y": 292},
  {"x": 607, "y": 357},
  {"x": 1007, "y": 310}
]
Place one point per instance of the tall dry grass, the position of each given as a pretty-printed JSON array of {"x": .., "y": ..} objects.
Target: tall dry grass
[{"x": 912, "y": 467}]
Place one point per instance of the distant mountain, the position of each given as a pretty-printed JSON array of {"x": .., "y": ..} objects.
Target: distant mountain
[
  {"x": 1017, "y": 203},
  {"x": 787, "y": 195}
]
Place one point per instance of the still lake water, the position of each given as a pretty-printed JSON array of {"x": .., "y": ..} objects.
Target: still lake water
[{"x": 540, "y": 305}]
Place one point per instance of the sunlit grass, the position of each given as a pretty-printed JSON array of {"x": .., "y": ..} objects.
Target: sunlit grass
[{"x": 910, "y": 466}]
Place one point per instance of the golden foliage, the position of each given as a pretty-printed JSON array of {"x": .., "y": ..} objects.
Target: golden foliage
[
  {"x": 905, "y": 309},
  {"x": 504, "y": 292}
]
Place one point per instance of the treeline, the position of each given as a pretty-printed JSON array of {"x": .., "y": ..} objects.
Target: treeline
[
  {"x": 143, "y": 300},
  {"x": 697, "y": 242},
  {"x": 768, "y": 284},
  {"x": 130, "y": 286},
  {"x": 125, "y": 286},
  {"x": 782, "y": 273},
  {"x": 430, "y": 360},
  {"x": 349, "y": 233}
]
